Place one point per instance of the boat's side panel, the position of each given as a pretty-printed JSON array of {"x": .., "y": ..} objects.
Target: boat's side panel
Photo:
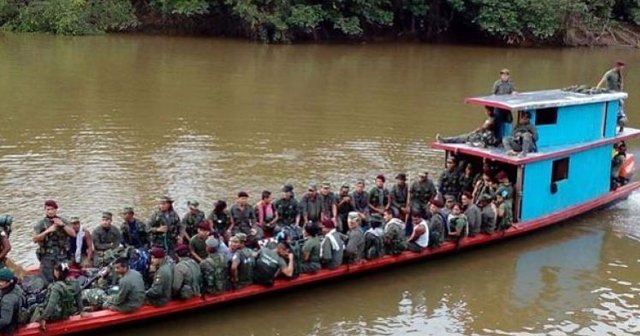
[
  {"x": 611, "y": 118},
  {"x": 588, "y": 178},
  {"x": 575, "y": 124}
]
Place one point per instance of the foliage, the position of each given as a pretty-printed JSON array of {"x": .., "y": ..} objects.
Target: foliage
[
  {"x": 512, "y": 21},
  {"x": 70, "y": 17}
]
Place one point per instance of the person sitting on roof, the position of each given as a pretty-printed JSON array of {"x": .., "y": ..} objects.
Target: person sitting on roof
[
  {"x": 614, "y": 82},
  {"x": 482, "y": 136},
  {"x": 524, "y": 137}
]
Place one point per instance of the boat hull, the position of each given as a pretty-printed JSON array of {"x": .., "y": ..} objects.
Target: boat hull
[{"x": 106, "y": 319}]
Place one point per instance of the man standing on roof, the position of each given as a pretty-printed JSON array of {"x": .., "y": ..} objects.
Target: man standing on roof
[
  {"x": 614, "y": 82},
  {"x": 504, "y": 85}
]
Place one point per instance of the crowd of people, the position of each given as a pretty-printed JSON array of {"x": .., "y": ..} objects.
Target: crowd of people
[{"x": 171, "y": 257}]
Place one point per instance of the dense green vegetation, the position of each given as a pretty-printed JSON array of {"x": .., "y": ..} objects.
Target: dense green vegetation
[{"x": 571, "y": 22}]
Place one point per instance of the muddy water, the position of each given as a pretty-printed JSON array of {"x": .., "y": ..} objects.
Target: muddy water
[{"x": 99, "y": 123}]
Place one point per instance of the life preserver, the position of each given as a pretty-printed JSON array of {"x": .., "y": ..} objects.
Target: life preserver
[{"x": 628, "y": 167}]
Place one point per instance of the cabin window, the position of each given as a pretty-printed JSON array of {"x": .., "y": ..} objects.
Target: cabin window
[
  {"x": 560, "y": 170},
  {"x": 547, "y": 116}
]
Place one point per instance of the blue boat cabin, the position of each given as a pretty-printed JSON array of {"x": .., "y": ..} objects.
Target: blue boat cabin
[{"x": 572, "y": 164}]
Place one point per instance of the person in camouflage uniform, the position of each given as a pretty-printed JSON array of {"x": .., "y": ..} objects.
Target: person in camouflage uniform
[
  {"x": 379, "y": 197},
  {"x": 422, "y": 192},
  {"x": 287, "y": 208},
  {"x": 243, "y": 219},
  {"x": 106, "y": 237},
  {"x": 400, "y": 197},
  {"x": 449, "y": 182},
  {"x": 395, "y": 238},
  {"x": 360, "y": 202},
  {"x": 50, "y": 233},
  {"x": 311, "y": 205},
  {"x": 215, "y": 269},
  {"x": 11, "y": 300},
  {"x": 191, "y": 220},
  {"x": 504, "y": 215},
  {"x": 504, "y": 185},
  {"x": 63, "y": 298},
  {"x": 159, "y": 294},
  {"x": 134, "y": 231},
  {"x": 242, "y": 262},
  {"x": 187, "y": 277},
  {"x": 164, "y": 226}
]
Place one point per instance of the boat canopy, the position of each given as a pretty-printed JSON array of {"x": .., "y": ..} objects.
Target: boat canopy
[{"x": 544, "y": 99}]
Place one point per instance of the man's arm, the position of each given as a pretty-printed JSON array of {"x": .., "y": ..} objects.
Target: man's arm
[
  {"x": 602, "y": 80},
  {"x": 6, "y": 245},
  {"x": 178, "y": 279},
  {"x": 288, "y": 271}
]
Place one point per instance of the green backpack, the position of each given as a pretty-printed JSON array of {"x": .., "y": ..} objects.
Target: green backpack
[
  {"x": 296, "y": 250},
  {"x": 67, "y": 305},
  {"x": 215, "y": 275}
]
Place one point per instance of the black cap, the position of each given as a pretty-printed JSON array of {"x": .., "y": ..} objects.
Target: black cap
[{"x": 401, "y": 176}]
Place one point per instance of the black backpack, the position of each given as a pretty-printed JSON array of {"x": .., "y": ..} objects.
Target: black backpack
[{"x": 265, "y": 270}]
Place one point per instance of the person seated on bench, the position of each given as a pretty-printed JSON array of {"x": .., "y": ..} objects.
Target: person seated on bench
[{"x": 523, "y": 139}]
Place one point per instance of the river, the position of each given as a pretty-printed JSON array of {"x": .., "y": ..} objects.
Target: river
[{"x": 99, "y": 123}]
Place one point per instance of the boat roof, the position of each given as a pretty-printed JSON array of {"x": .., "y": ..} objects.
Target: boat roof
[
  {"x": 499, "y": 154},
  {"x": 543, "y": 99}
]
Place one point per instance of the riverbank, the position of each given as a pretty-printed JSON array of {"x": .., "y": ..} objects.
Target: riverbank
[{"x": 488, "y": 22}]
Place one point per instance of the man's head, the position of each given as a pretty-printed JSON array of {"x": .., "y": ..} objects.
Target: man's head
[
  {"x": 619, "y": 65},
  {"x": 416, "y": 217},
  {"x": 380, "y": 180},
  {"x": 525, "y": 117},
  {"x": 287, "y": 191},
  {"x": 157, "y": 256},
  {"x": 193, "y": 206},
  {"x": 326, "y": 188},
  {"x": 311, "y": 229},
  {"x": 344, "y": 190},
  {"x": 435, "y": 206},
  {"x": 182, "y": 250},
  {"x": 387, "y": 215},
  {"x": 456, "y": 209},
  {"x": 360, "y": 185},
  {"x": 504, "y": 74},
  {"x": 449, "y": 200},
  {"x": 166, "y": 204},
  {"x": 312, "y": 189},
  {"x": 266, "y": 196},
  {"x": 106, "y": 220},
  {"x": 127, "y": 214},
  {"x": 51, "y": 208},
  {"x": 353, "y": 220},
  {"x": 401, "y": 179},
  {"x": 212, "y": 244},
  {"x": 451, "y": 164},
  {"x": 75, "y": 224},
  {"x": 204, "y": 228},
  {"x": 6, "y": 277},
  {"x": 283, "y": 249},
  {"x": 466, "y": 198},
  {"x": 502, "y": 177},
  {"x": 121, "y": 266},
  {"x": 423, "y": 176},
  {"x": 234, "y": 244},
  {"x": 242, "y": 199}
]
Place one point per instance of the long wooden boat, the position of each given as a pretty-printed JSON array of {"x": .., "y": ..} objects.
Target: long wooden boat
[{"x": 561, "y": 200}]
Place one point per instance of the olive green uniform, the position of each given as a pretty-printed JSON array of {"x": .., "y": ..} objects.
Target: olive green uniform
[
  {"x": 10, "y": 303},
  {"x": 613, "y": 79},
  {"x": 488, "y": 223},
  {"x": 53, "y": 249},
  {"x": 246, "y": 261},
  {"x": 199, "y": 246},
  {"x": 379, "y": 197},
  {"x": 190, "y": 222},
  {"x": 131, "y": 293},
  {"x": 288, "y": 210},
  {"x": 354, "y": 251},
  {"x": 311, "y": 208},
  {"x": 399, "y": 197},
  {"x": 244, "y": 219},
  {"x": 474, "y": 218},
  {"x": 501, "y": 87},
  {"x": 159, "y": 293},
  {"x": 187, "y": 278},
  {"x": 106, "y": 239},
  {"x": 312, "y": 247},
  {"x": 395, "y": 238},
  {"x": 506, "y": 220},
  {"x": 215, "y": 273},
  {"x": 328, "y": 202},
  {"x": 332, "y": 256},
  {"x": 169, "y": 239},
  {"x": 459, "y": 223},
  {"x": 449, "y": 183},
  {"x": 421, "y": 194}
]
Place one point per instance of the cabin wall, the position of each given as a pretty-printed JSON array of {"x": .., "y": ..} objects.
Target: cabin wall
[
  {"x": 575, "y": 124},
  {"x": 588, "y": 178}
]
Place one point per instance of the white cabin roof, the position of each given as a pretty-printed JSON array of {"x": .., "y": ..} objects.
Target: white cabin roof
[{"x": 544, "y": 99}]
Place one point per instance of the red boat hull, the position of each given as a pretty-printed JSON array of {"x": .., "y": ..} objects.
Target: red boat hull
[{"x": 104, "y": 319}]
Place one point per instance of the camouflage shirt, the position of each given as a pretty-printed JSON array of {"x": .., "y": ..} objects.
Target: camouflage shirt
[
  {"x": 287, "y": 210},
  {"x": 190, "y": 222}
]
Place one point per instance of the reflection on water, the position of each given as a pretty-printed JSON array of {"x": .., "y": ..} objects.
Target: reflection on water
[{"x": 99, "y": 123}]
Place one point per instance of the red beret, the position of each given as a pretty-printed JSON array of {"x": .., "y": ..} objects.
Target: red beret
[
  {"x": 328, "y": 224},
  {"x": 437, "y": 203},
  {"x": 182, "y": 249},
  {"x": 501, "y": 175},
  {"x": 51, "y": 203},
  {"x": 204, "y": 226},
  {"x": 157, "y": 252}
]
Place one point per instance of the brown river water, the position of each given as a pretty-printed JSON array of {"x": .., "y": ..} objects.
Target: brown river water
[{"x": 103, "y": 122}]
